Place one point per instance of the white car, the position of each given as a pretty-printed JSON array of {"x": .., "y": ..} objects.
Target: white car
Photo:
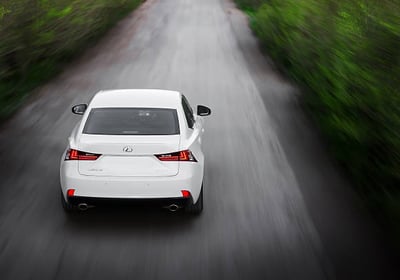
[{"x": 140, "y": 145}]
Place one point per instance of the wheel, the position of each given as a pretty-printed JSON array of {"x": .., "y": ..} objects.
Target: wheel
[
  {"x": 196, "y": 208},
  {"x": 67, "y": 207}
]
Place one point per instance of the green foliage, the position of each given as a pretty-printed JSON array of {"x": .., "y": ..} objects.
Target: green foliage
[
  {"x": 39, "y": 35},
  {"x": 249, "y": 4},
  {"x": 3, "y": 11},
  {"x": 347, "y": 54}
]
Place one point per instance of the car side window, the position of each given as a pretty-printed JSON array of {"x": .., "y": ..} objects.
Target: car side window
[{"x": 188, "y": 112}]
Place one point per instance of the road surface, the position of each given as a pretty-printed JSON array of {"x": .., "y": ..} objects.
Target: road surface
[{"x": 276, "y": 207}]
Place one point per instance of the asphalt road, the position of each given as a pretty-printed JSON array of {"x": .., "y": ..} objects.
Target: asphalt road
[{"x": 276, "y": 207}]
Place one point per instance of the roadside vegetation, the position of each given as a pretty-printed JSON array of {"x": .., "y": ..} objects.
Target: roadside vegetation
[
  {"x": 346, "y": 55},
  {"x": 39, "y": 36}
]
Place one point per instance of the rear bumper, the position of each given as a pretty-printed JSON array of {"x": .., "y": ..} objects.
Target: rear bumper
[
  {"x": 189, "y": 178},
  {"x": 160, "y": 202}
]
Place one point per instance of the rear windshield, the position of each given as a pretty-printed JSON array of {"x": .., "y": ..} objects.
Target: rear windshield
[{"x": 132, "y": 121}]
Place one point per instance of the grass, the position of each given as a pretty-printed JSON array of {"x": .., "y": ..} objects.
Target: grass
[
  {"x": 17, "y": 86},
  {"x": 346, "y": 57}
]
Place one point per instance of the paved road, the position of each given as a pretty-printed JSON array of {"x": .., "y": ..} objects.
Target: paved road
[{"x": 276, "y": 207}]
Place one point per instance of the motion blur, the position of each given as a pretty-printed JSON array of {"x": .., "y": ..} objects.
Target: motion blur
[{"x": 302, "y": 148}]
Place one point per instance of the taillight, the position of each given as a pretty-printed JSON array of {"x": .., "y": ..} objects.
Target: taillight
[
  {"x": 79, "y": 155},
  {"x": 185, "y": 155}
]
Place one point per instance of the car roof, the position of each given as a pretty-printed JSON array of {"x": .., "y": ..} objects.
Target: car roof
[{"x": 145, "y": 98}]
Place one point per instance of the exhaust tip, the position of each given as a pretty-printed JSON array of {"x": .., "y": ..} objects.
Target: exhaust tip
[
  {"x": 173, "y": 207},
  {"x": 83, "y": 206}
]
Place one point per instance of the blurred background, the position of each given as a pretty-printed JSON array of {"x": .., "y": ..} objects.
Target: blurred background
[
  {"x": 39, "y": 36},
  {"x": 344, "y": 57}
]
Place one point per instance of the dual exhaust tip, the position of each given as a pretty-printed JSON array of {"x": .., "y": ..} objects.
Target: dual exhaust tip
[
  {"x": 83, "y": 206},
  {"x": 172, "y": 207}
]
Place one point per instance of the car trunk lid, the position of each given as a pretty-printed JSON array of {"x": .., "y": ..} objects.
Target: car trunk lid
[{"x": 128, "y": 155}]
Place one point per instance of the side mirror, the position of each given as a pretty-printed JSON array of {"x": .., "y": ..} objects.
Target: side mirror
[
  {"x": 203, "y": 110},
  {"x": 79, "y": 109}
]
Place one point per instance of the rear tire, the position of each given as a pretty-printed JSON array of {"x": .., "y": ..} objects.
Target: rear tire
[
  {"x": 66, "y": 206},
  {"x": 196, "y": 208}
]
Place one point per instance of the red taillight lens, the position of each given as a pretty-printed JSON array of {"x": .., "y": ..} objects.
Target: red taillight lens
[
  {"x": 70, "y": 192},
  {"x": 185, "y": 193},
  {"x": 185, "y": 155},
  {"x": 79, "y": 155}
]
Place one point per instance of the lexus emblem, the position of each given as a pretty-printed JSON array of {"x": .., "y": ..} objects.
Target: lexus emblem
[{"x": 127, "y": 149}]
